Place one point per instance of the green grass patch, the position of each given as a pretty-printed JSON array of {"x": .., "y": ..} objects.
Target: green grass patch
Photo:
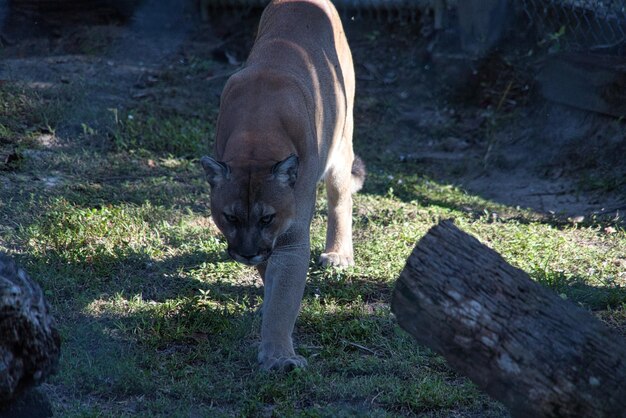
[
  {"x": 164, "y": 133},
  {"x": 24, "y": 111},
  {"x": 83, "y": 234},
  {"x": 157, "y": 322}
]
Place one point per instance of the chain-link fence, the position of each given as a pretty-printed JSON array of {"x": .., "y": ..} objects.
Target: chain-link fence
[
  {"x": 390, "y": 10},
  {"x": 563, "y": 24},
  {"x": 569, "y": 25},
  {"x": 579, "y": 24}
]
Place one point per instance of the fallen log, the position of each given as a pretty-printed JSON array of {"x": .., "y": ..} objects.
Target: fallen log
[
  {"x": 538, "y": 354},
  {"x": 29, "y": 342}
]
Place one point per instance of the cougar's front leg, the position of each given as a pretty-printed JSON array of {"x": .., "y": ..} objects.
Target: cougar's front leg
[{"x": 284, "y": 278}]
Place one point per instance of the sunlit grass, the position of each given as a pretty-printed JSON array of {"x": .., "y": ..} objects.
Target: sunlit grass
[
  {"x": 156, "y": 321},
  {"x": 171, "y": 134}
]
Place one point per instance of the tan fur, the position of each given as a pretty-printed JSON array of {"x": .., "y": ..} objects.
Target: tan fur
[{"x": 285, "y": 123}]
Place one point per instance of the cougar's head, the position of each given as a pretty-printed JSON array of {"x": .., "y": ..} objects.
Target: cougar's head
[{"x": 252, "y": 203}]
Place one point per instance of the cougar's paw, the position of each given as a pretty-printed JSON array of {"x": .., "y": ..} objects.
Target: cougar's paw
[
  {"x": 283, "y": 364},
  {"x": 273, "y": 357},
  {"x": 336, "y": 260}
]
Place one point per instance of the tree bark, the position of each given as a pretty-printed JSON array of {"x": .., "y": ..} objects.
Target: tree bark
[
  {"x": 538, "y": 354},
  {"x": 29, "y": 342}
]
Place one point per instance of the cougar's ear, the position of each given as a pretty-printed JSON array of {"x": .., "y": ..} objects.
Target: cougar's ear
[
  {"x": 216, "y": 171},
  {"x": 286, "y": 171}
]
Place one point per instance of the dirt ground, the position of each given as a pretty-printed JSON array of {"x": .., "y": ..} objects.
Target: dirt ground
[{"x": 481, "y": 125}]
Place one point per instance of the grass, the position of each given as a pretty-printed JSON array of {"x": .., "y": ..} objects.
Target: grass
[
  {"x": 178, "y": 135},
  {"x": 157, "y": 322}
]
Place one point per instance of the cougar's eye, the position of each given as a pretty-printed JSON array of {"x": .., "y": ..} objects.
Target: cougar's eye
[
  {"x": 267, "y": 219},
  {"x": 232, "y": 219}
]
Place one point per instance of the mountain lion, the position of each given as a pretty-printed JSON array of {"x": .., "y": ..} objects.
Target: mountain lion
[{"x": 285, "y": 122}]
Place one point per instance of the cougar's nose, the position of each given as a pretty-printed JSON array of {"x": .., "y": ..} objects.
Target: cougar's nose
[
  {"x": 249, "y": 259},
  {"x": 253, "y": 260}
]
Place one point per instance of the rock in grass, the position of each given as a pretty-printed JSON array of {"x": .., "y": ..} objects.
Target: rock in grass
[{"x": 29, "y": 342}]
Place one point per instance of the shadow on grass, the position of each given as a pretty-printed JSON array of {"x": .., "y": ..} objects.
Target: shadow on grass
[
  {"x": 345, "y": 288},
  {"x": 608, "y": 295},
  {"x": 134, "y": 273},
  {"x": 164, "y": 189},
  {"x": 137, "y": 274},
  {"x": 173, "y": 335},
  {"x": 207, "y": 356}
]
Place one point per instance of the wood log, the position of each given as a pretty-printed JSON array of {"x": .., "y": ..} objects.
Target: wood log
[
  {"x": 538, "y": 354},
  {"x": 29, "y": 342}
]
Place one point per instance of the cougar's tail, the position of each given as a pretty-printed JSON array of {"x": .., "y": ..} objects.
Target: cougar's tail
[{"x": 358, "y": 174}]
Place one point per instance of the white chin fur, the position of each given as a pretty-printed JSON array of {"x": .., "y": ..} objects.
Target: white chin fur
[{"x": 249, "y": 261}]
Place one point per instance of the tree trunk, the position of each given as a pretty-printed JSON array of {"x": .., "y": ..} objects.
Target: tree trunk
[
  {"x": 29, "y": 342},
  {"x": 538, "y": 354}
]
